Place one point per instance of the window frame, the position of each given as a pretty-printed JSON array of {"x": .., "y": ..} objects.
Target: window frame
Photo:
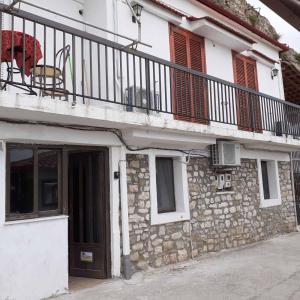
[
  {"x": 275, "y": 182},
  {"x": 36, "y": 212},
  {"x": 160, "y": 158},
  {"x": 182, "y": 212}
]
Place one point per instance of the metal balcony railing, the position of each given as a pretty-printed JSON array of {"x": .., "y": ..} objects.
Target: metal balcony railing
[{"x": 58, "y": 61}]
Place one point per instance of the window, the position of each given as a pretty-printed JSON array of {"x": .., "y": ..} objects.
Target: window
[
  {"x": 165, "y": 185},
  {"x": 189, "y": 101},
  {"x": 33, "y": 181},
  {"x": 168, "y": 187},
  {"x": 269, "y": 183},
  {"x": 245, "y": 74}
]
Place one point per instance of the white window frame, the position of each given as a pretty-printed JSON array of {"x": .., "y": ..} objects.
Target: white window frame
[
  {"x": 182, "y": 212},
  {"x": 274, "y": 184}
]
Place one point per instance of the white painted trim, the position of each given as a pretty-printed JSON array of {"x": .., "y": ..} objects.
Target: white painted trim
[
  {"x": 264, "y": 203},
  {"x": 124, "y": 203},
  {"x": 264, "y": 154},
  {"x": 181, "y": 189},
  {"x": 35, "y": 220},
  {"x": 114, "y": 158}
]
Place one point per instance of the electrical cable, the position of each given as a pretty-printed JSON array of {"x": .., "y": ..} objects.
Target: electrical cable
[{"x": 114, "y": 131}]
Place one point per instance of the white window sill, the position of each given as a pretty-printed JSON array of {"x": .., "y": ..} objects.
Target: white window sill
[
  {"x": 270, "y": 202},
  {"x": 171, "y": 217},
  {"x": 35, "y": 220}
]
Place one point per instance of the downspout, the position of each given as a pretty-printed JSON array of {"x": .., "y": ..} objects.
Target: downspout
[
  {"x": 293, "y": 188},
  {"x": 127, "y": 267}
]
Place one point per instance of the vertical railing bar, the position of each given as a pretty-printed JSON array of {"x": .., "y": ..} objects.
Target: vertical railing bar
[
  {"x": 154, "y": 88},
  {"x": 82, "y": 71},
  {"x": 23, "y": 52},
  {"x": 34, "y": 55},
  {"x": 114, "y": 73},
  {"x": 54, "y": 74},
  {"x": 172, "y": 87},
  {"x": 165, "y": 86},
  {"x": 99, "y": 70},
  {"x": 91, "y": 70},
  {"x": 74, "y": 68},
  {"x": 141, "y": 81},
  {"x": 121, "y": 78},
  {"x": 12, "y": 47},
  {"x": 148, "y": 83},
  {"x": 45, "y": 55},
  {"x": 160, "y": 107},
  {"x": 134, "y": 75},
  {"x": 127, "y": 72},
  {"x": 64, "y": 63},
  {"x": 106, "y": 73}
]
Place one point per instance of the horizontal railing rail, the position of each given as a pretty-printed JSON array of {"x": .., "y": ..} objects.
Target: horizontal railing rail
[{"x": 54, "y": 60}]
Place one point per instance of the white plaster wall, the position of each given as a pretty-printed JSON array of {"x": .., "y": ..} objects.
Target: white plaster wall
[
  {"x": 266, "y": 84},
  {"x": 33, "y": 259}
]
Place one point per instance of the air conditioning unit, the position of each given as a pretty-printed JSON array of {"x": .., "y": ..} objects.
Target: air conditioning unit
[
  {"x": 137, "y": 100},
  {"x": 226, "y": 153}
]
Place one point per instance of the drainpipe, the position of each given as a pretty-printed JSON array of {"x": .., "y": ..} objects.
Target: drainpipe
[
  {"x": 127, "y": 267},
  {"x": 293, "y": 187}
]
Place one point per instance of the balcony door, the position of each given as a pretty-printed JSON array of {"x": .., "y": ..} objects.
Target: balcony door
[
  {"x": 189, "y": 96},
  {"x": 89, "y": 246},
  {"x": 248, "y": 106}
]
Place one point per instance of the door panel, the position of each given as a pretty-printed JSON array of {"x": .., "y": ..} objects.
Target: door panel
[{"x": 88, "y": 205}]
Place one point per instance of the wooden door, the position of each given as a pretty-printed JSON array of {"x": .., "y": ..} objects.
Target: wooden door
[
  {"x": 248, "y": 105},
  {"x": 189, "y": 100},
  {"x": 89, "y": 247}
]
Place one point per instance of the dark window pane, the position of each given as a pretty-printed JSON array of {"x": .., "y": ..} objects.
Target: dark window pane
[
  {"x": 165, "y": 185},
  {"x": 48, "y": 179},
  {"x": 265, "y": 179},
  {"x": 21, "y": 180}
]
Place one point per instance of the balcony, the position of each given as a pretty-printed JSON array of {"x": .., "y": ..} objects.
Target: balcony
[{"x": 53, "y": 61}]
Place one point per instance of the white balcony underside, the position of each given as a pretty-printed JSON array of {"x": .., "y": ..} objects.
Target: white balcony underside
[{"x": 139, "y": 129}]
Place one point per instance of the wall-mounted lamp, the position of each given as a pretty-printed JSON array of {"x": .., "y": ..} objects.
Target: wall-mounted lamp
[
  {"x": 137, "y": 8},
  {"x": 274, "y": 72}
]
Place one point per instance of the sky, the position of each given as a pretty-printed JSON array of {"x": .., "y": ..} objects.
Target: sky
[{"x": 289, "y": 35}]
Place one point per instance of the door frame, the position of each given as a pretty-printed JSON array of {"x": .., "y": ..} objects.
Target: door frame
[{"x": 81, "y": 149}]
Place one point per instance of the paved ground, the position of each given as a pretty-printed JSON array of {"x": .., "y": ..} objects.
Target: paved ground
[{"x": 268, "y": 270}]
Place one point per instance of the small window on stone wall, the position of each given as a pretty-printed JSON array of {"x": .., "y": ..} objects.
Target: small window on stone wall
[
  {"x": 269, "y": 183},
  {"x": 168, "y": 187},
  {"x": 165, "y": 185}
]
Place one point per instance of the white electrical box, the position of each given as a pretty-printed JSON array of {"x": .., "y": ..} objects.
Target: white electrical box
[{"x": 226, "y": 153}]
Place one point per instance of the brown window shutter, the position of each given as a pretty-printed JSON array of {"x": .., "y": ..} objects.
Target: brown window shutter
[
  {"x": 196, "y": 46},
  {"x": 248, "y": 105},
  {"x": 187, "y": 50},
  {"x": 182, "y": 96}
]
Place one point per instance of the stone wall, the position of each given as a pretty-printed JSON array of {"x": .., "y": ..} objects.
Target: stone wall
[
  {"x": 151, "y": 245},
  {"x": 218, "y": 220}
]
